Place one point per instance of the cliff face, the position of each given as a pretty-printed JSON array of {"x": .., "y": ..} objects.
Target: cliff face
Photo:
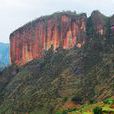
[
  {"x": 64, "y": 29},
  {"x": 60, "y": 29},
  {"x": 99, "y": 23}
]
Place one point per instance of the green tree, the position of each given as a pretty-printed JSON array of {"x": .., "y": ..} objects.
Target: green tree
[{"x": 97, "y": 110}]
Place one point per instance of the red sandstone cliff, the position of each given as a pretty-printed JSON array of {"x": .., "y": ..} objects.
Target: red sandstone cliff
[
  {"x": 29, "y": 41},
  {"x": 64, "y": 29}
]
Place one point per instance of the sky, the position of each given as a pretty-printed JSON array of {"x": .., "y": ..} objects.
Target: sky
[{"x": 15, "y": 13}]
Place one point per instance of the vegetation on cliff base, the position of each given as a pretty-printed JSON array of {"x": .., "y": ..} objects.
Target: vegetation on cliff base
[
  {"x": 46, "y": 85},
  {"x": 90, "y": 108}
]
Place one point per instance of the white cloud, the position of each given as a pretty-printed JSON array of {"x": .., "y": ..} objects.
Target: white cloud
[{"x": 14, "y": 13}]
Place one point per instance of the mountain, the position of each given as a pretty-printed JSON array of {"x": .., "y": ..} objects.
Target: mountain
[
  {"x": 65, "y": 29},
  {"x": 62, "y": 79},
  {"x": 59, "y": 29},
  {"x": 4, "y": 55}
]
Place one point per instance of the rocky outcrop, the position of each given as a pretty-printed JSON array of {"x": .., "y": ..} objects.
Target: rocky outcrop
[
  {"x": 64, "y": 29},
  {"x": 99, "y": 23},
  {"x": 60, "y": 29}
]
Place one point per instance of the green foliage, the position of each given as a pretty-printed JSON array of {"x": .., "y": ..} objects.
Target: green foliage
[
  {"x": 58, "y": 113},
  {"x": 65, "y": 99},
  {"x": 64, "y": 112},
  {"x": 69, "y": 110},
  {"x": 92, "y": 101},
  {"x": 97, "y": 110},
  {"x": 109, "y": 101},
  {"x": 48, "y": 54},
  {"x": 77, "y": 100}
]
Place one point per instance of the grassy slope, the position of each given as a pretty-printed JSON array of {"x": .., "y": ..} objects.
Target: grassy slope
[
  {"x": 43, "y": 86},
  {"x": 88, "y": 108}
]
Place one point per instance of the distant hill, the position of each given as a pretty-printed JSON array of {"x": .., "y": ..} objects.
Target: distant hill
[{"x": 4, "y": 55}]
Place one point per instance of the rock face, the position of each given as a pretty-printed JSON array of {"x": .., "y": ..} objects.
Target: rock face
[
  {"x": 60, "y": 29},
  {"x": 99, "y": 23},
  {"x": 64, "y": 29}
]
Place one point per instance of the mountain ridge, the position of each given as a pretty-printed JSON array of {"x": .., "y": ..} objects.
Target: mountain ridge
[
  {"x": 62, "y": 76},
  {"x": 65, "y": 29}
]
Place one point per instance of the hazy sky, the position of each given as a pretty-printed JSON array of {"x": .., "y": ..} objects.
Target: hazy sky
[{"x": 15, "y": 13}]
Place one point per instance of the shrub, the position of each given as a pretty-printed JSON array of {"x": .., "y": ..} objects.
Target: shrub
[
  {"x": 92, "y": 101},
  {"x": 64, "y": 112},
  {"x": 97, "y": 110},
  {"x": 58, "y": 113},
  {"x": 65, "y": 99},
  {"x": 109, "y": 101},
  {"x": 77, "y": 99}
]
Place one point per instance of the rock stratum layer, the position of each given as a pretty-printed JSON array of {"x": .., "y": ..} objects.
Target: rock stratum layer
[{"x": 64, "y": 29}]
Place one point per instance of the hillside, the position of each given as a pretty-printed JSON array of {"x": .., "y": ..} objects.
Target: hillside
[
  {"x": 43, "y": 86},
  {"x": 64, "y": 76},
  {"x": 4, "y": 55}
]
